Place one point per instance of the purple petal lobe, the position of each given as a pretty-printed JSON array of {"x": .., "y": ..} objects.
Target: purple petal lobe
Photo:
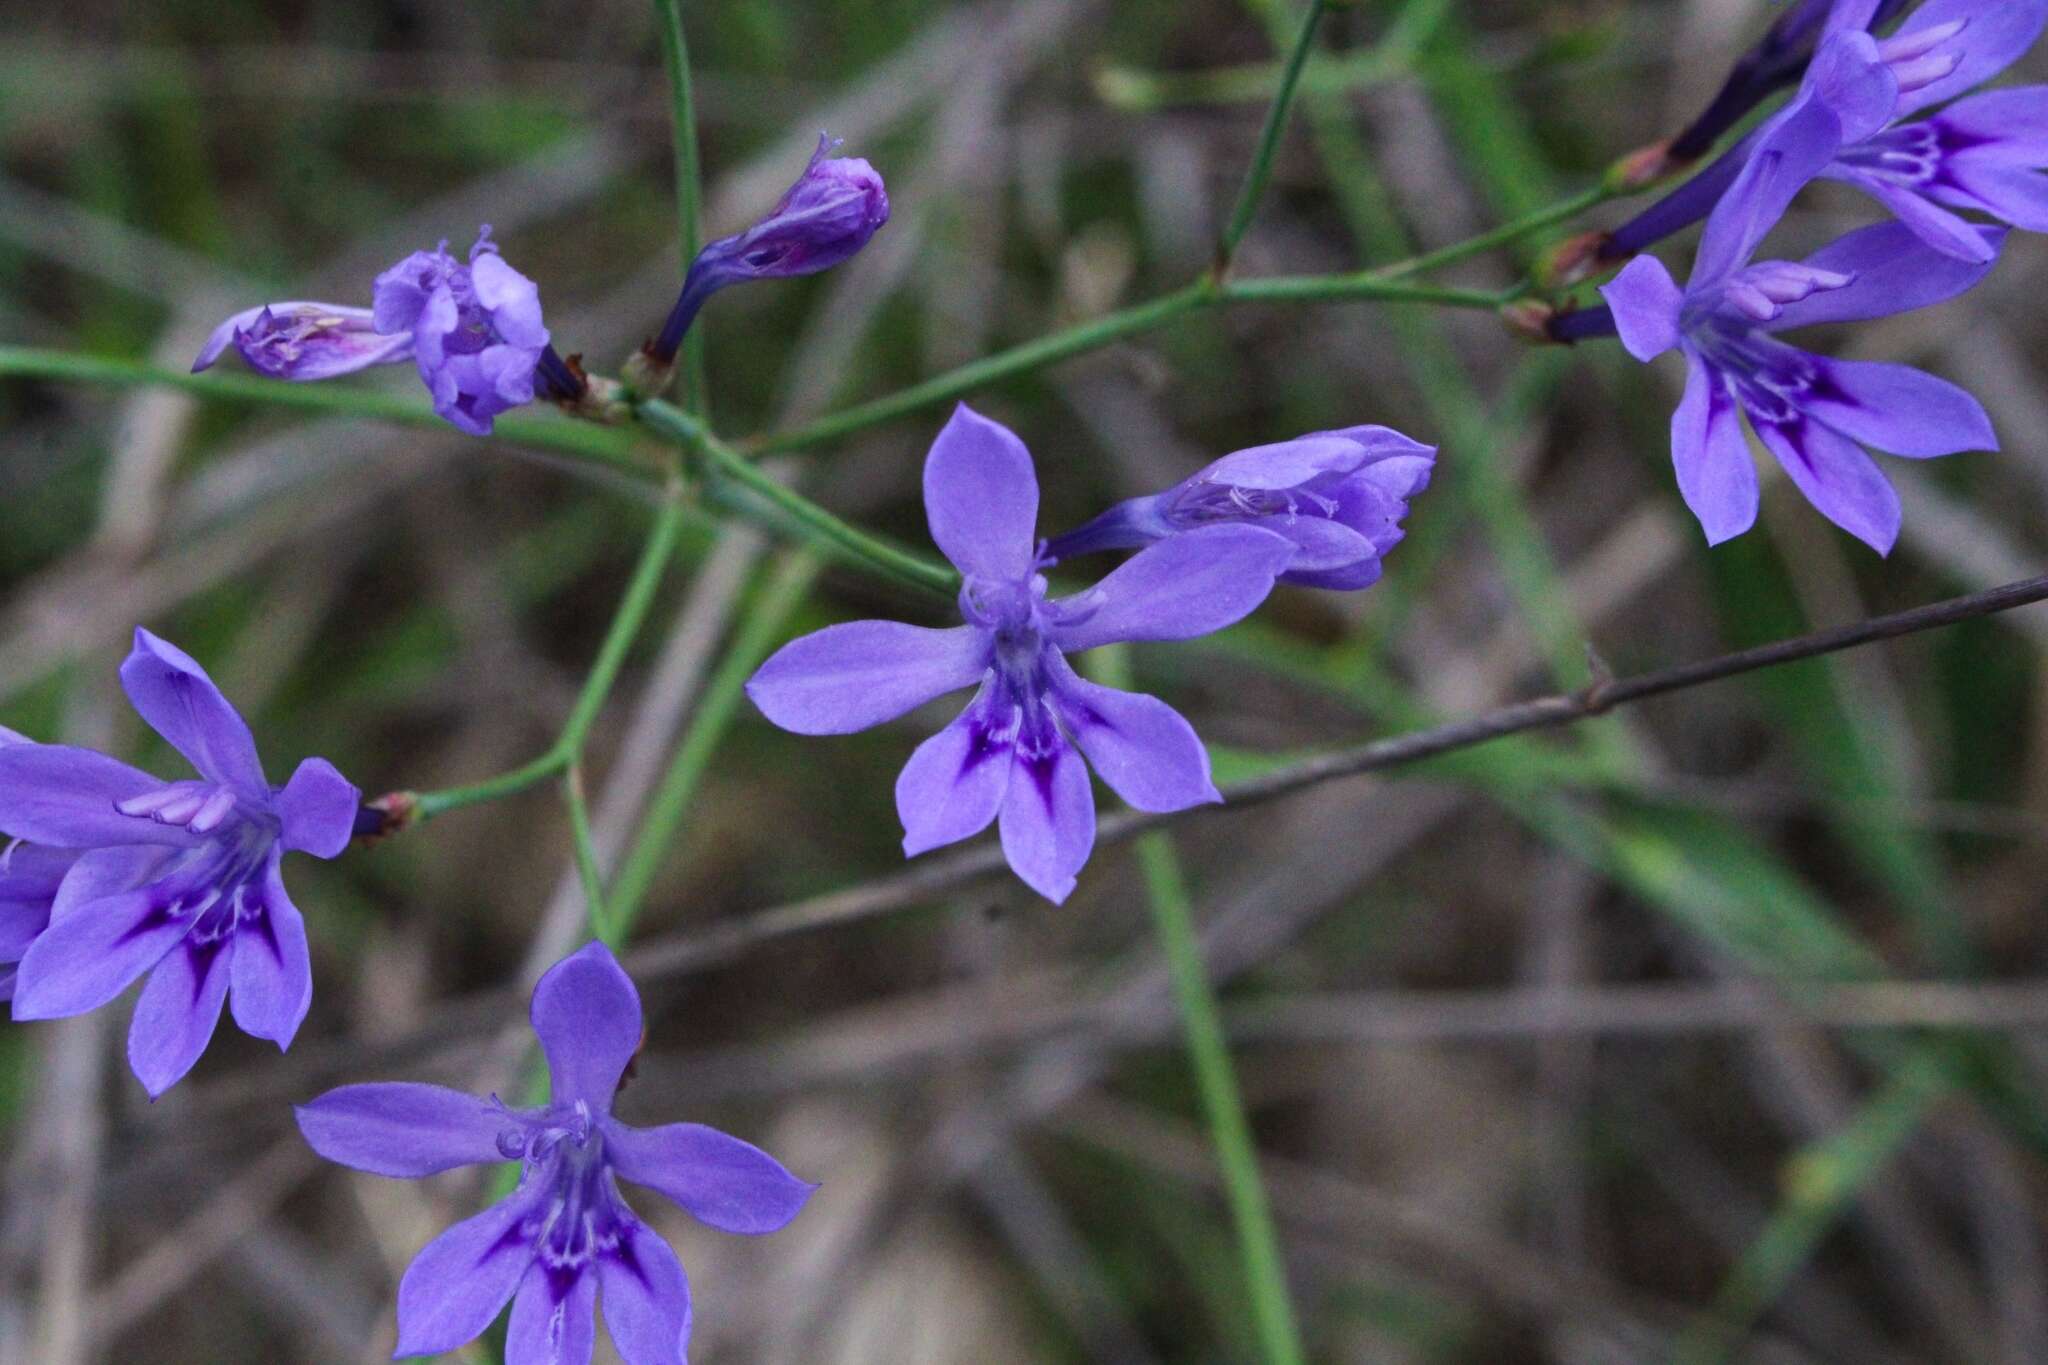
[
  {"x": 67, "y": 798},
  {"x": 1946, "y": 232},
  {"x": 1993, "y": 35},
  {"x": 646, "y": 1299},
  {"x": 91, "y": 953},
  {"x": 1897, "y": 408},
  {"x": 1048, "y": 820},
  {"x": 1715, "y": 472},
  {"x": 1856, "y": 86},
  {"x": 587, "y": 1016},
  {"x": 2009, "y": 127},
  {"x": 1184, "y": 586},
  {"x": 1143, "y": 748},
  {"x": 1839, "y": 479},
  {"x": 1645, "y": 300},
  {"x": 554, "y": 1321},
  {"x": 20, "y": 922},
  {"x": 402, "y": 1129},
  {"x": 848, "y": 677},
  {"x": 2019, "y": 196},
  {"x": 1891, "y": 271},
  {"x": 462, "y": 1278},
  {"x": 732, "y": 1185},
  {"x": 953, "y": 784},
  {"x": 172, "y": 692},
  {"x": 272, "y": 972},
  {"x": 981, "y": 497},
  {"x": 1790, "y": 150},
  {"x": 177, "y": 1013},
  {"x": 318, "y": 810},
  {"x": 224, "y": 335}
]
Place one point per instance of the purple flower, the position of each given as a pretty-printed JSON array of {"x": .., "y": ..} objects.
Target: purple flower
[
  {"x": 177, "y": 879},
  {"x": 1813, "y": 413},
  {"x": 1338, "y": 495},
  {"x": 305, "y": 341},
  {"x": 1977, "y": 154},
  {"x": 29, "y": 878},
  {"x": 826, "y": 217},
  {"x": 1015, "y": 754},
  {"x": 564, "y": 1235},
  {"x": 476, "y": 329}
]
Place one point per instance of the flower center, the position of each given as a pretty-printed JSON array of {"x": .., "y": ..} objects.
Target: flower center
[
  {"x": 201, "y": 807},
  {"x": 1909, "y": 155},
  {"x": 580, "y": 1216},
  {"x": 1208, "y": 502}
]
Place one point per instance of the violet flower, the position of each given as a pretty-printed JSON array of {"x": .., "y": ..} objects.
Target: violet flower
[
  {"x": 29, "y": 877},
  {"x": 1014, "y": 756},
  {"x": 305, "y": 341},
  {"x": 176, "y": 879},
  {"x": 1814, "y": 414},
  {"x": 1978, "y": 154},
  {"x": 476, "y": 328},
  {"x": 1338, "y": 495},
  {"x": 826, "y": 217},
  {"x": 565, "y": 1235}
]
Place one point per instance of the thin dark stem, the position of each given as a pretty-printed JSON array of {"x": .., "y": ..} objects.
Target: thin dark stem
[{"x": 921, "y": 883}]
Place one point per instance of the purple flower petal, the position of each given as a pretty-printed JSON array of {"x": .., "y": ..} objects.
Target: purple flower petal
[
  {"x": 732, "y": 1185},
  {"x": 1856, "y": 86},
  {"x": 646, "y": 1298},
  {"x": 587, "y": 1016},
  {"x": 1286, "y": 464},
  {"x": 1899, "y": 409},
  {"x": 1143, "y": 748},
  {"x": 1184, "y": 586},
  {"x": 400, "y": 294},
  {"x": 554, "y": 1319},
  {"x": 1645, "y": 300},
  {"x": 981, "y": 497},
  {"x": 402, "y": 1129},
  {"x": 1320, "y": 544},
  {"x": 1936, "y": 226},
  {"x": 1891, "y": 271},
  {"x": 20, "y": 922},
  {"x": 318, "y": 810},
  {"x": 2019, "y": 196},
  {"x": 1842, "y": 482},
  {"x": 273, "y": 974},
  {"x": 1790, "y": 150},
  {"x": 177, "y": 1013},
  {"x": 93, "y": 952},
  {"x": 462, "y": 1279},
  {"x": 512, "y": 299},
  {"x": 848, "y": 677},
  {"x": 1994, "y": 34},
  {"x": 171, "y": 691},
  {"x": 953, "y": 784},
  {"x": 2002, "y": 127},
  {"x": 1716, "y": 474},
  {"x": 223, "y": 336},
  {"x": 1048, "y": 820},
  {"x": 31, "y": 872},
  {"x": 99, "y": 873},
  {"x": 65, "y": 797}
]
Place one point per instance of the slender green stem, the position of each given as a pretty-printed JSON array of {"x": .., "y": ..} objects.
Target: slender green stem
[
  {"x": 1549, "y": 216},
  {"x": 760, "y": 631},
  {"x": 577, "y": 440},
  {"x": 1173, "y": 918},
  {"x": 587, "y": 871},
  {"x": 1261, "y": 169},
  {"x": 1258, "y": 1241},
  {"x": 722, "y": 463},
  {"x": 565, "y": 752},
  {"x": 1112, "y": 327},
  {"x": 675, "y": 58}
]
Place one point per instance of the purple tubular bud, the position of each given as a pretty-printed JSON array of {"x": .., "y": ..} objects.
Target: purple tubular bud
[
  {"x": 304, "y": 341},
  {"x": 1583, "y": 324},
  {"x": 1676, "y": 211},
  {"x": 826, "y": 217},
  {"x": 1778, "y": 59}
]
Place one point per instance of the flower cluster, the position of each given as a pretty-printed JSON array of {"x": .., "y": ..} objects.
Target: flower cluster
[
  {"x": 1322, "y": 509},
  {"x": 1857, "y": 117}
]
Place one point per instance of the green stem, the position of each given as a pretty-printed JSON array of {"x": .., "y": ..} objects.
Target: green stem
[
  {"x": 722, "y": 463},
  {"x": 567, "y": 750},
  {"x": 1261, "y": 169},
  {"x": 578, "y": 440},
  {"x": 1258, "y": 1241},
  {"x": 587, "y": 871},
  {"x": 1112, "y": 327},
  {"x": 675, "y": 58},
  {"x": 760, "y": 630},
  {"x": 1548, "y": 216}
]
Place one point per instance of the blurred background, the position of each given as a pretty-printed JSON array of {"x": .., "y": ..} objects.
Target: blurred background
[{"x": 1712, "y": 1029}]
